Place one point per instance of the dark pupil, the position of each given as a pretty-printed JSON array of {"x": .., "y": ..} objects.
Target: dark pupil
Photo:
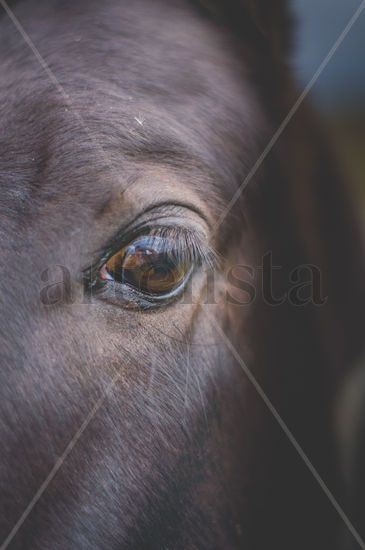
[{"x": 146, "y": 266}]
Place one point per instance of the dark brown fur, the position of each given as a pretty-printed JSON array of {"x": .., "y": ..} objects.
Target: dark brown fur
[{"x": 182, "y": 453}]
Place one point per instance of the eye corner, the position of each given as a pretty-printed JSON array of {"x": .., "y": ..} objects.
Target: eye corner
[
  {"x": 151, "y": 270},
  {"x": 148, "y": 265}
]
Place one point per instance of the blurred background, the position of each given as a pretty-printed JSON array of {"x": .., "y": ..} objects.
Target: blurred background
[{"x": 339, "y": 93}]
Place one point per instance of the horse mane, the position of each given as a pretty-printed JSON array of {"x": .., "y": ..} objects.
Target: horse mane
[{"x": 301, "y": 208}]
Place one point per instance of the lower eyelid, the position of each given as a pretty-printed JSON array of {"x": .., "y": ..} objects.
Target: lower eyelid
[
  {"x": 189, "y": 243},
  {"x": 121, "y": 295}
]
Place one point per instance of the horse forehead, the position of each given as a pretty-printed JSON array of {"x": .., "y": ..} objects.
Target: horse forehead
[
  {"x": 118, "y": 59},
  {"x": 136, "y": 97},
  {"x": 129, "y": 50}
]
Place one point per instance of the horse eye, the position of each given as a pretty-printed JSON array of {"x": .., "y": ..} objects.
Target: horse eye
[{"x": 149, "y": 265}]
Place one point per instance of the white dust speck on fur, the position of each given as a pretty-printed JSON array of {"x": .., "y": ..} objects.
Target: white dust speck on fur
[{"x": 139, "y": 119}]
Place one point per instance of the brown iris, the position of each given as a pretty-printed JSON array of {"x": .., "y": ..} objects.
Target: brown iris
[{"x": 148, "y": 264}]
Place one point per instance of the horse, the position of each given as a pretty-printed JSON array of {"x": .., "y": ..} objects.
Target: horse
[{"x": 176, "y": 285}]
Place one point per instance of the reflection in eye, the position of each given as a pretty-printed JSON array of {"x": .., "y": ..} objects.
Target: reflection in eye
[{"x": 149, "y": 264}]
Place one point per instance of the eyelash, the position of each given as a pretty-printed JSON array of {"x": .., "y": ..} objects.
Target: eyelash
[{"x": 186, "y": 244}]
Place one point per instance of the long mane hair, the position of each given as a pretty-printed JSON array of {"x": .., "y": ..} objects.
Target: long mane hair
[{"x": 300, "y": 207}]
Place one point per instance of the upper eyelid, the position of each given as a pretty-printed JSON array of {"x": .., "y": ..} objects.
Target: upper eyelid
[
  {"x": 198, "y": 251},
  {"x": 189, "y": 241},
  {"x": 164, "y": 209},
  {"x": 169, "y": 205}
]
